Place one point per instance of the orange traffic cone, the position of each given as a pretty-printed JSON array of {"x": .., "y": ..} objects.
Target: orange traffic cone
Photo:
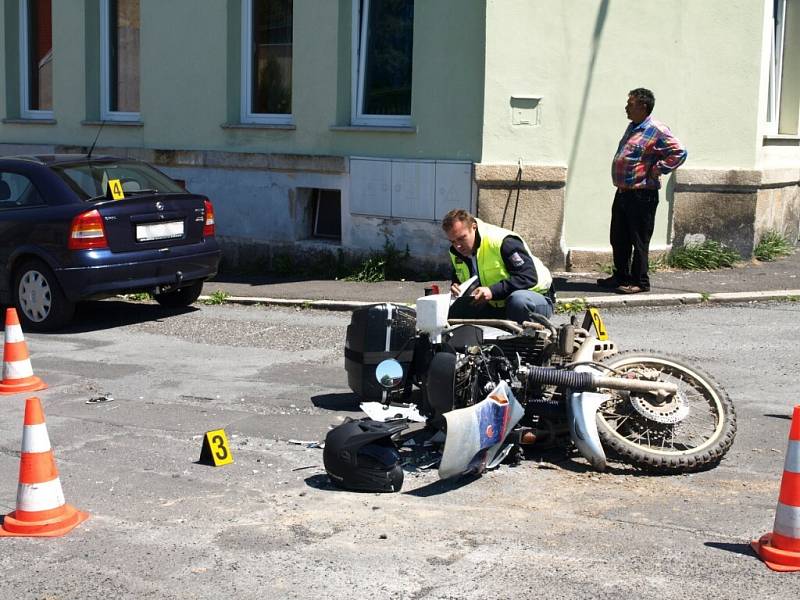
[
  {"x": 780, "y": 550},
  {"x": 17, "y": 371},
  {"x": 41, "y": 508}
]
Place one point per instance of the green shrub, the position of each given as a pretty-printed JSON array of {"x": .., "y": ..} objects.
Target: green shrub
[
  {"x": 138, "y": 297},
  {"x": 659, "y": 263},
  {"x": 390, "y": 264},
  {"x": 576, "y": 306},
  {"x": 703, "y": 257},
  {"x": 371, "y": 270},
  {"x": 217, "y": 297},
  {"x": 771, "y": 246}
]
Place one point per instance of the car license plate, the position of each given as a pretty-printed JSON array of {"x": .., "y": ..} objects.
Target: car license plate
[{"x": 159, "y": 231}]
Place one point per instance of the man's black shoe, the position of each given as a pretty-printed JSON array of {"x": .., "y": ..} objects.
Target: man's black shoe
[{"x": 609, "y": 283}]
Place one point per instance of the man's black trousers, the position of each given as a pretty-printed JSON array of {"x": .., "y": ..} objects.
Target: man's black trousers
[{"x": 633, "y": 217}]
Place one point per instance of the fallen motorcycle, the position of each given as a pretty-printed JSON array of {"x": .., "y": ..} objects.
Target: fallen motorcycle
[{"x": 549, "y": 383}]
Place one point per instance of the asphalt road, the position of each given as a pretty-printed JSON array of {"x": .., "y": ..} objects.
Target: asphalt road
[{"x": 270, "y": 526}]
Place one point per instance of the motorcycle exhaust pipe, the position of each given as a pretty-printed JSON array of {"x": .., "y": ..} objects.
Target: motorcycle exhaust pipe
[
  {"x": 635, "y": 385},
  {"x": 584, "y": 382}
]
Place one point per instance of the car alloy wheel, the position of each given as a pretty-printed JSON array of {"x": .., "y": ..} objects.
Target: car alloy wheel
[{"x": 35, "y": 296}]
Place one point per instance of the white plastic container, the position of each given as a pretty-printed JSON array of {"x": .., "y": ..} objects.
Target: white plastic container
[{"x": 432, "y": 313}]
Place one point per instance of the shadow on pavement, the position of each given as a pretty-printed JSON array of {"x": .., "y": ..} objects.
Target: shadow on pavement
[
  {"x": 272, "y": 279},
  {"x": 345, "y": 402},
  {"x": 443, "y": 486},
  {"x": 743, "y": 549},
  {"x": 787, "y": 417},
  {"x": 555, "y": 458},
  {"x": 321, "y": 481},
  {"x": 107, "y": 314},
  {"x": 260, "y": 279},
  {"x": 563, "y": 286}
]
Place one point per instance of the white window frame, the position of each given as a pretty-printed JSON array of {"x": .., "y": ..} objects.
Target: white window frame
[
  {"x": 24, "y": 52},
  {"x": 106, "y": 114},
  {"x": 247, "y": 114},
  {"x": 775, "y": 66},
  {"x": 360, "y": 39}
]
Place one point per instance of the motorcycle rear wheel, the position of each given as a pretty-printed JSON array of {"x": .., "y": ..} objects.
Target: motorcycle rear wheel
[{"x": 690, "y": 432}]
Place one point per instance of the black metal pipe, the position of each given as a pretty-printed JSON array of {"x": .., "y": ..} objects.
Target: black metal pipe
[{"x": 561, "y": 377}]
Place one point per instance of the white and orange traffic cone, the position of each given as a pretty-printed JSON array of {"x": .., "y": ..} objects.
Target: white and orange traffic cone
[
  {"x": 17, "y": 371},
  {"x": 41, "y": 508},
  {"x": 780, "y": 550}
]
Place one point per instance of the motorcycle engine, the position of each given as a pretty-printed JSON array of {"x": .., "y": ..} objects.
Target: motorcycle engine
[{"x": 465, "y": 375}]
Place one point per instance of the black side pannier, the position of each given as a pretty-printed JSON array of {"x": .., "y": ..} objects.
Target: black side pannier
[{"x": 376, "y": 333}]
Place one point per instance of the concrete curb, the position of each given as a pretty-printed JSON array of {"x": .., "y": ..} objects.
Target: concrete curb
[
  {"x": 303, "y": 303},
  {"x": 645, "y": 299}
]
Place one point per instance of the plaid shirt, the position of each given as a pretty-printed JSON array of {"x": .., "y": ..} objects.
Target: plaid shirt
[{"x": 643, "y": 146}]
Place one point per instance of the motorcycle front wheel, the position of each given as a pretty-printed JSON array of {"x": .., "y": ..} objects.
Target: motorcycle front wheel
[{"x": 689, "y": 431}]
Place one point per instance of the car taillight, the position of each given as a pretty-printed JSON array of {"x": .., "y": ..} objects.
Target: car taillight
[
  {"x": 87, "y": 232},
  {"x": 208, "y": 224}
]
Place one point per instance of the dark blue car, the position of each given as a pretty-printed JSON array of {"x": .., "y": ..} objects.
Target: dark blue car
[{"x": 75, "y": 227}]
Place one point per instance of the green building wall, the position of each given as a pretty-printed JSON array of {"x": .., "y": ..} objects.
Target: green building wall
[
  {"x": 190, "y": 81},
  {"x": 531, "y": 92}
]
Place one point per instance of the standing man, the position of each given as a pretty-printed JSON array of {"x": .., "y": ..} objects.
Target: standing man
[
  {"x": 513, "y": 283},
  {"x": 646, "y": 151}
]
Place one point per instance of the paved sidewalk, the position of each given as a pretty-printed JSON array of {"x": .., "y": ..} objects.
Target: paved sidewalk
[{"x": 751, "y": 282}]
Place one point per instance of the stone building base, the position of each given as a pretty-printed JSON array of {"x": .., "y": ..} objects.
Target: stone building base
[
  {"x": 262, "y": 203},
  {"x": 735, "y": 208},
  {"x": 529, "y": 200}
]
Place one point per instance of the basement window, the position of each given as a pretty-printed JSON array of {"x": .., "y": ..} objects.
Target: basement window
[{"x": 326, "y": 214}]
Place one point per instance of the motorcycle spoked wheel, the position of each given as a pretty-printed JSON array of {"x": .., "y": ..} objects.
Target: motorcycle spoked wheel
[{"x": 689, "y": 432}]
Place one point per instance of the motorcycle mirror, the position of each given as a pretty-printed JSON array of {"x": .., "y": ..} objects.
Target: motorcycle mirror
[{"x": 389, "y": 373}]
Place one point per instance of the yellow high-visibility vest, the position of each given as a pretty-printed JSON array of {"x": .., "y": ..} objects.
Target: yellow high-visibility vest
[{"x": 491, "y": 268}]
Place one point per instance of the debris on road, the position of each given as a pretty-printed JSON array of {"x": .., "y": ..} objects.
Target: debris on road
[
  {"x": 100, "y": 399},
  {"x": 386, "y": 412},
  {"x": 307, "y": 443}
]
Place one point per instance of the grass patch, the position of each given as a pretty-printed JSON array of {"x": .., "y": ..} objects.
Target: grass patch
[
  {"x": 217, "y": 297},
  {"x": 703, "y": 257},
  {"x": 607, "y": 268},
  {"x": 660, "y": 263},
  {"x": 771, "y": 246},
  {"x": 390, "y": 264},
  {"x": 573, "y": 307},
  {"x": 138, "y": 297}
]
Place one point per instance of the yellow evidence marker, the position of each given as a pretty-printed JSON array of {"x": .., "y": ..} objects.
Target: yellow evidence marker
[
  {"x": 599, "y": 326},
  {"x": 215, "y": 450},
  {"x": 116, "y": 189}
]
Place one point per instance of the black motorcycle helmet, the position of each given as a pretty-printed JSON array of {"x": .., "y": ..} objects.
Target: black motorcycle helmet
[{"x": 360, "y": 456}]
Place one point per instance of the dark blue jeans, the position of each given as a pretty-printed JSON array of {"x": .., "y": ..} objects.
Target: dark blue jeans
[{"x": 519, "y": 306}]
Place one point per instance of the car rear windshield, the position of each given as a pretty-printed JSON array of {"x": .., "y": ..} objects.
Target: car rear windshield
[{"x": 90, "y": 180}]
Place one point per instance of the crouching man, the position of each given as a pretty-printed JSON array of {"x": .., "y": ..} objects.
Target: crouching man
[{"x": 513, "y": 283}]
